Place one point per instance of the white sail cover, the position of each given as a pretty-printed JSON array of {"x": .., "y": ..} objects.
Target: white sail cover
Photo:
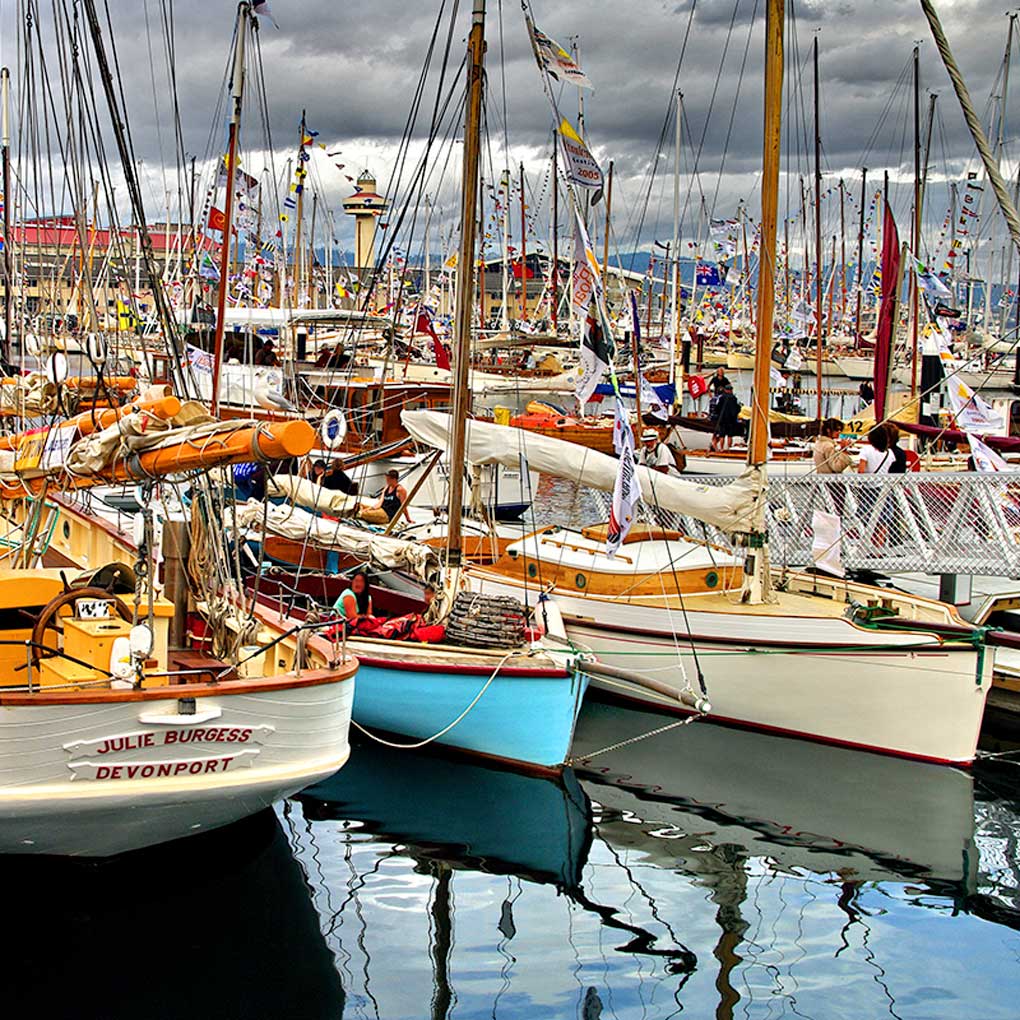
[
  {"x": 383, "y": 551},
  {"x": 728, "y": 507}
]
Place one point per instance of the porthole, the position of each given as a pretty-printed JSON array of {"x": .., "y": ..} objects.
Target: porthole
[
  {"x": 712, "y": 579},
  {"x": 580, "y": 580},
  {"x": 67, "y": 529},
  {"x": 532, "y": 570}
]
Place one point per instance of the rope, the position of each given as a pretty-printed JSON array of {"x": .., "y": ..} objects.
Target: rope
[
  {"x": 634, "y": 740},
  {"x": 1009, "y": 213},
  {"x": 445, "y": 729}
]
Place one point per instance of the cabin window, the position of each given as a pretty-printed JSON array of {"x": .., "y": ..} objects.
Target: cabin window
[
  {"x": 580, "y": 580},
  {"x": 532, "y": 570},
  {"x": 1014, "y": 418},
  {"x": 67, "y": 529},
  {"x": 712, "y": 579}
]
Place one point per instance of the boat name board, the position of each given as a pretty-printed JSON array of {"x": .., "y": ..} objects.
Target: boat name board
[
  {"x": 141, "y": 739},
  {"x": 162, "y": 769}
]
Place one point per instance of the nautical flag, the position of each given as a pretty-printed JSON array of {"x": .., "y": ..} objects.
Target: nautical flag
[
  {"x": 723, "y": 235},
  {"x": 246, "y": 184},
  {"x": 217, "y": 219},
  {"x": 930, "y": 283},
  {"x": 261, "y": 9},
  {"x": 707, "y": 274},
  {"x": 596, "y": 348},
  {"x": 207, "y": 268},
  {"x": 626, "y": 490},
  {"x": 199, "y": 360},
  {"x": 580, "y": 166},
  {"x": 985, "y": 458},
  {"x": 423, "y": 324},
  {"x": 126, "y": 319},
  {"x": 650, "y": 401},
  {"x": 555, "y": 60}
]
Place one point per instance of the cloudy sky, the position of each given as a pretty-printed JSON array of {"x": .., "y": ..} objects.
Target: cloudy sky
[{"x": 354, "y": 68}]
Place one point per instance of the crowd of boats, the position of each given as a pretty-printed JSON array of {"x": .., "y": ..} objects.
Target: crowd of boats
[{"x": 226, "y": 544}]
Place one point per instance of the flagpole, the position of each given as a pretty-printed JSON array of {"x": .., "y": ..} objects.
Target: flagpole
[
  {"x": 465, "y": 279},
  {"x": 675, "y": 302},
  {"x": 819, "y": 282},
  {"x": 237, "y": 92},
  {"x": 524, "y": 253},
  {"x": 555, "y": 240}
]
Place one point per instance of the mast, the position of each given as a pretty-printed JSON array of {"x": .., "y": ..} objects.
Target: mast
[
  {"x": 915, "y": 229},
  {"x": 555, "y": 240},
  {"x": 298, "y": 252},
  {"x": 675, "y": 298},
  {"x": 758, "y": 447},
  {"x": 236, "y": 94},
  {"x": 524, "y": 252},
  {"x": 505, "y": 316},
  {"x": 842, "y": 258},
  {"x": 312, "y": 291},
  {"x": 859, "y": 274},
  {"x": 605, "y": 239},
  {"x": 5, "y": 143},
  {"x": 465, "y": 277},
  {"x": 819, "y": 283}
]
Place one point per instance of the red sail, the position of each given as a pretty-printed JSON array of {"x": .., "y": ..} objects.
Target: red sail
[{"x": 886, "y": 324}]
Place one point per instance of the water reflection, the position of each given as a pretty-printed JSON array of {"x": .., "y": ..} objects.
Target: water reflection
[
  {"x": 705, "y": 870},
  {"x": 219, "y": 925},
  {"x": 699, "y": 872}
]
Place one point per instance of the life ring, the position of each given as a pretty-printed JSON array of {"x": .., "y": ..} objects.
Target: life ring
[{"x": 333, "y": 429}]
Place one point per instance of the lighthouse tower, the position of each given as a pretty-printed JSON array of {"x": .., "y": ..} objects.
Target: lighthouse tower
[{"x": 366, "y": 205}]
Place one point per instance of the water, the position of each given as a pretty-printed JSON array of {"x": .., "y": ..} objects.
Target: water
[{"x": 700, "y": 872}]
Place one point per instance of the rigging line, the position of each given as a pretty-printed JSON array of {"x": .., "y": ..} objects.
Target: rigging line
[{"x": 155, "y": 102}]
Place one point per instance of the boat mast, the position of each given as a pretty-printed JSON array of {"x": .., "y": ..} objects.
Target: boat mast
[
  {"x": 915, "y": 231},
  {"x": 524, "y": 253},
  {"x": 504, "y": 320},
  {"x": 675, "y": 299},
  {"x": 299, "y": 213},
  {"x": 842, "y": 258},
  {"x": 236, "y": 95},
  {"x": 465, "y": 278},
  {"x": 5, "y": 143},
  {"x": 758, "y": 447},
  {"x": 555, "y": 241},
  {"x": 819, "y": 282},
  {"x": 859, "y": 273}
]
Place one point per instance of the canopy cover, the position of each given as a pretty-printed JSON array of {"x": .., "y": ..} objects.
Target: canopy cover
[{"x": 729, "y": 507}]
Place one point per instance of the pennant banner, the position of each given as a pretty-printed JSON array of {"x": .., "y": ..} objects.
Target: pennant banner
[
  {"x": 555, "y": 60},
  {"x": 580, "y": 166}
]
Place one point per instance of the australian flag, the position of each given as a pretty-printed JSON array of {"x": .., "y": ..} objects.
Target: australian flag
[{"x": 707, "y": 274}]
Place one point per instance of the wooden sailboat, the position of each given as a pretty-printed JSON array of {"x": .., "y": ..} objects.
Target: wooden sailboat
[
  {"x": 512, "y": 699},
  {"x": 113, "y": 740},
  {"x": 675, "y": 618}
]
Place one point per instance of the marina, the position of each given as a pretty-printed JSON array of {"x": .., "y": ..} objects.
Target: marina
[{"x": 510, "y": 529}]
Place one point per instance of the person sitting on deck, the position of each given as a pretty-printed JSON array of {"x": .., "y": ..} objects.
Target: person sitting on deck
[
  {"x": 266, "y": 355},
  {"x": 355, "y": 601},
  {"x": 389, "y": 504},
  {"x": 654, "y": 454}
]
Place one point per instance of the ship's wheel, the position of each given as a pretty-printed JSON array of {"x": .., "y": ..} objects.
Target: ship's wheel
[{"x": 50, "y": 617}]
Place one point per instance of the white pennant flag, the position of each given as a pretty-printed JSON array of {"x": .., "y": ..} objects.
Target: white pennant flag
[
  {"x": 555, "y": 60},
  {"x": 985, "y": 458},
  {"x": 626, "y": 490},
  {"x": 650, "y": 402},
  {"x": 595, "y": 347},
  {"x": 580, "y": 166}
]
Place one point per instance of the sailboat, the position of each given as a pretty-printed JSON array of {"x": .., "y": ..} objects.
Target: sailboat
[
  {"x": 512, "y": 698},
  {"x": 681, "y": 622},
  {"x": 113, "y": 739}
]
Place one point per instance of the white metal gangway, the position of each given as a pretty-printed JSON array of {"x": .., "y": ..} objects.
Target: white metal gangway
[{"x": 926, "y": 522}]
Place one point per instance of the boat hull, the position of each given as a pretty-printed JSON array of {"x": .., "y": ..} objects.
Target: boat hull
[
  {"x": 96, "y": 780},
  {"x": 820, "y": 678},
  {"x": 525, "y": 717}
]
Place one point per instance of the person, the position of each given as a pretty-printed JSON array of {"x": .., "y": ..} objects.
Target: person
[
  {"x": 654, "y": 454},
  {"x": 876, "y": 458},
  {"x": 337, "y": 480},
  {"x": 830, "y": 454},
  {"x": 718, "y": 382},
  {"x": 727, "y": 421},
  {"x": 899, "y": 464},
  {"x": 390, "y": 502},
  {"x": 266, "y": 356},
  {"x": 355, "y": 601}
]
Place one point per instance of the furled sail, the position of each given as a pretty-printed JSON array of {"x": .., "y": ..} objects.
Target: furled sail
[{"x": 728, "y": 507}]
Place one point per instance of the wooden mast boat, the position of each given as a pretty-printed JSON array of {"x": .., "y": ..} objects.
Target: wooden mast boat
[
  {"x": 113, "y": 740},
  {"x": 799, "y": 654}
]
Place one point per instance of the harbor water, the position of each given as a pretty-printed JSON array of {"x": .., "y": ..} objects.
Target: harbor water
[{"x": 698, "y": 871}]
